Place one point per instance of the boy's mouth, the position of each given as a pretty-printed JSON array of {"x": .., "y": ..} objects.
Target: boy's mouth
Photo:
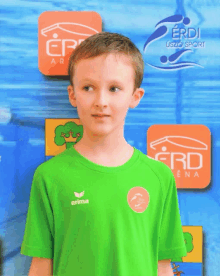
[{"x": 100, "y": 115}]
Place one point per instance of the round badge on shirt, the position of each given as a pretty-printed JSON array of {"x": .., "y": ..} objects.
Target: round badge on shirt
[{"x": 138, "y": 199}]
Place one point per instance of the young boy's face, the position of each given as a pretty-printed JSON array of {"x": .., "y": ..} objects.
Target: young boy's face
[{"x": 104, "y": 84}]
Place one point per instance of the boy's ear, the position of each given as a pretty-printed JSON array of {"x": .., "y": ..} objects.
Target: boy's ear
[
  {"x": 72, "y": 97},
  {"x": 136, "y": 97}
]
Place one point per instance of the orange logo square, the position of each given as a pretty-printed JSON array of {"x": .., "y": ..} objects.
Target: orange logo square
[
  {"x": 61, "y": 134},
  {"x": 186, "y": 149},
  {"x": 193, "y": 237},
  {"x": 59, "y": 32}
]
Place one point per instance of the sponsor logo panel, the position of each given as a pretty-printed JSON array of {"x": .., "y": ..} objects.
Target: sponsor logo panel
[
  {"x": 61, "y": 134},
  {"x": 192, "y": 264},
  {"x": 178, "y": 40},
  {"x": 186, "y": 149},
  {"x": 59, "y": 32}
]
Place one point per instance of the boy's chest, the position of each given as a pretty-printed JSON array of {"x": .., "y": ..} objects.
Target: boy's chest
[
  {"x": 94, "y": 195},
  {"x": 115, "y": 214}
]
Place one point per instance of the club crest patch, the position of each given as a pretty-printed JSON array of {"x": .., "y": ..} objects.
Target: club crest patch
[{"x": 138, "y": 199}]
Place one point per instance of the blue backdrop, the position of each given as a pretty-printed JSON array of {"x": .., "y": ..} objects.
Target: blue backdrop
[{"x": 189, "y": 96}]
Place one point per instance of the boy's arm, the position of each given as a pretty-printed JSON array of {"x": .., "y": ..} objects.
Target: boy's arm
[
  {"x": 165, "y": 268},
  {"x": 41, "y": 267}
]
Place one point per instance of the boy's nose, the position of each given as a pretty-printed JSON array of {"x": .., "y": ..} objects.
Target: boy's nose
[{"x": 101, "y": 98}]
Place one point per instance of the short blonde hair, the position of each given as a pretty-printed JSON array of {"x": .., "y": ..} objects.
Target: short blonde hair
[{"x": 106, "y": 43}]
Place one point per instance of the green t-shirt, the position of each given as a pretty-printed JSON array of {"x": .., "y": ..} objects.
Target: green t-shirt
[{"x": 98, "y": 220}]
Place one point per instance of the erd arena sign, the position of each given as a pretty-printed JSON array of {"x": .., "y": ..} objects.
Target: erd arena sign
[
  {"x": 58, "y": 35},
  {"x": 185, "y": 149}
]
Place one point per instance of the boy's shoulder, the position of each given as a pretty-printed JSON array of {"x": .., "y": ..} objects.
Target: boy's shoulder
[
  {"x": 160, "y": 169},
  {"x": 157, "y": 166},
  {"x": 57, "y": 162}
]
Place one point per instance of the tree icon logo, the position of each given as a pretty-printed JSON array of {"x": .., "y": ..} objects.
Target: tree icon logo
[{"x": 68, "y": 134}]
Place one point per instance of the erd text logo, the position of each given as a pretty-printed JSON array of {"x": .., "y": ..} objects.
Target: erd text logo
[
  {"x": 58, "y": 35},
  {"x": 185, "y": 149},
  {"x": 182, "y": 38}
]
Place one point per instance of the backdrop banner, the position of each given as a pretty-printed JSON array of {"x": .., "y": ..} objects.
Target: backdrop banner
[{"x": 176, "y": 122}]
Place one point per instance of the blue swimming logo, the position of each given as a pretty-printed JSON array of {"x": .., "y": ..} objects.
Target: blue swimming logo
[{"x": 191, "y": 38}]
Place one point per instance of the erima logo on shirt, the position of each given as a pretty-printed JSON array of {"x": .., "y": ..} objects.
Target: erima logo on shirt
[
  {"x": 82, "y": 201},
  {"x": 137, "y": 197}
]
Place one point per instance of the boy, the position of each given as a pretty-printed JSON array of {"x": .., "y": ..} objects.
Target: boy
[{"x": 103, "y": 207}]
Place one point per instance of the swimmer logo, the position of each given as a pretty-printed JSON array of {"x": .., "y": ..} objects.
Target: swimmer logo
[
  {"x": 138, "y": 199},
  {"x": 178, "y": 33}
]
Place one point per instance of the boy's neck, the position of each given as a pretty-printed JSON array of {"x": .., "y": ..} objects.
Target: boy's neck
[{"x": 106, "y": 154}]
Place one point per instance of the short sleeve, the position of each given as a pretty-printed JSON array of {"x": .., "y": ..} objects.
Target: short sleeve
[
  {"x": 38, "y": 235},
  {"x": 171, "y": 239}
]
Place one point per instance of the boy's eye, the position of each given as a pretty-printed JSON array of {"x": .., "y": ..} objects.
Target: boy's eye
[
  {"x": 86, "y": 87},
  {"x": 113, "y": 87}
]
